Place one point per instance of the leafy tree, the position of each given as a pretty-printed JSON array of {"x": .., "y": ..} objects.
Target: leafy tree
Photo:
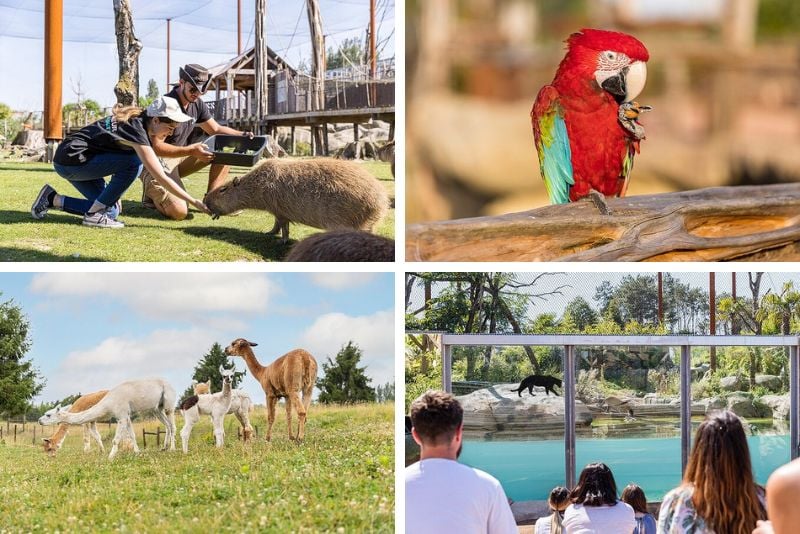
[
  {"x": 5, "y": 111},
  {"x": 343, "y": 381},
  {"x": 351, "y": 52},
  {"x": 152, "y": 94},
  {"x": 19, "y": 379},
  {"x": 384, "y": 393},
  {"x": 208, "y": 368},
  {"x": 580, "y": 313}
]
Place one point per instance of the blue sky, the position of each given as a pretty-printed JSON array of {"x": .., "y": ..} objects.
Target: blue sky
[
  {"x": 91, "y": 331},
  {"x": 201, "y": 32}
]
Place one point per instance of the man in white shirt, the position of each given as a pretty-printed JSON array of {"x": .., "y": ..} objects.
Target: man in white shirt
[{"x": 443, "y": 495}]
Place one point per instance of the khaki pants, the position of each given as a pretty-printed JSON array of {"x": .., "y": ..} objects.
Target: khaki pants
[{"x": 156, "y": 196}]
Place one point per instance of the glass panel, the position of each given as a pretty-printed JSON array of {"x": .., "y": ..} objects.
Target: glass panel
[
  {"x": 753, "y": 382},
  {"x": 513, "y": 416},
  {"x": 628, "y": 415}
]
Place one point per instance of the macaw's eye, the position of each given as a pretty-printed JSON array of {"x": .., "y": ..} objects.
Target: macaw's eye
[{"x": 610, "y": 55}]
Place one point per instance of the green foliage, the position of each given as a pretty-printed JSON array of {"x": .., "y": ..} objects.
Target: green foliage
[
  {"x": 384, "y": 393},
  {"x": 778, "y": 18},
  {"x": 418, "y": 382},
  {"x": 340, "y": 478},
  {"x": 5, "y": 111},
  {"x": 350, "y": 52},
  {"x": 580, "y": 314},
  {"x": 343, "y": 381},
  {"x": 19, "y": 379}
]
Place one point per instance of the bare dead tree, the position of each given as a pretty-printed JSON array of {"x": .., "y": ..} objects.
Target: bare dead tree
[
  {"x": 128, "y": 48},
  {"x": 261, "y": 64},
  {"x": 317, "y": 67}
]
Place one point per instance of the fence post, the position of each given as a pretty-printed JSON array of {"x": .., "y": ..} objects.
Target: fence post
[
  {"x": 15, "y": 433},
  {"x": 158, "y": 437},
  {"x": 144, "y": 439},
  {"x": 34, "y": 436}
]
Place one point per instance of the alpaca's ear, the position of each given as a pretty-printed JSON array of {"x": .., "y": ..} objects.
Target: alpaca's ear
[
  {"x": 194, "y": 383},
  {"x": 46, "y": 441},
  {"x": 221, "y": 369},
  {"x": 252, "y": 344}
]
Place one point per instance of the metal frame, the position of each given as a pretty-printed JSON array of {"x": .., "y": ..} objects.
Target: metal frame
[{"x": 569, "y": 342}]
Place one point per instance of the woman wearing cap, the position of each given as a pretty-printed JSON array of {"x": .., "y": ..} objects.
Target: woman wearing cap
[{"x": 115, "y": 146}]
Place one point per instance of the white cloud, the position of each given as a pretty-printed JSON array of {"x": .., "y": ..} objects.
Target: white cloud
[
  {"x": 171, "y": 354},
  {"x": 339, "y": 281},
  {"x": 374, "y": 335},
  {"x": 174, "y": 295}
]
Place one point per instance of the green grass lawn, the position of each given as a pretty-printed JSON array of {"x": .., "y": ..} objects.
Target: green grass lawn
[
  {"x": 147, "y": 235},
  {"x": 340, "y": 479}
]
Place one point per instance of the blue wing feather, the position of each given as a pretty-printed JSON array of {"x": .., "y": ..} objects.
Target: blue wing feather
[{"x": 553, "y": 147}]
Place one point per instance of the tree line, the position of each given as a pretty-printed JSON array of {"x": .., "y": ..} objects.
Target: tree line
[{"x": 343, "y": 380}]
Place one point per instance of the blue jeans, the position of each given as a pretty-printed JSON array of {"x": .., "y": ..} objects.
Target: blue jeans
[{"x": 88, "y": 179}]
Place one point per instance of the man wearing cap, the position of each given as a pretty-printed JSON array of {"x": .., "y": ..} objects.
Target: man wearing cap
[
  {"x": 115, "y": 146},
  {"x": 180, "y": 157}
]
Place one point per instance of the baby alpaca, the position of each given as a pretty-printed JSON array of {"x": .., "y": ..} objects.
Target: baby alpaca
[
  {"x": 324, "y": 193},
  {"x": 238, "y": 403}
]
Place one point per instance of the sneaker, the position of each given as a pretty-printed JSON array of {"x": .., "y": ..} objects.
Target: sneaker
[
  {"x": 115, "y": 210},
  {"x": 101, "y": 219},
  {"x": 41, "y": 204}
]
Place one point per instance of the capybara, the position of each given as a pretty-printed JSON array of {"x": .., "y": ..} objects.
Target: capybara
[{"x": 343, "y": 245}]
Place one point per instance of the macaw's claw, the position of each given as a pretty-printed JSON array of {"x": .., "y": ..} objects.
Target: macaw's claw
[
  {"x": 628, "y": 114},
  {"x": 599, "y": 201}
]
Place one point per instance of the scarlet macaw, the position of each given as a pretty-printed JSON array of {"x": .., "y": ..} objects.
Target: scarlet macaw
[{"x": 584, "y": 123}]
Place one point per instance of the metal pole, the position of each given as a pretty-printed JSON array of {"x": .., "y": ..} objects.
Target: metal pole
[
  {"x": 569, "y": 415},
  {"x": 794, "y": 401},
  {"x": 712, "y": 306},
  {"x": 447, "y": 368},
  {"x": 53, "y": 54},
  {"x": 239, "y": 27},
  {"x": 168, "y": 71},
  {"x": 686, "y": 406}
]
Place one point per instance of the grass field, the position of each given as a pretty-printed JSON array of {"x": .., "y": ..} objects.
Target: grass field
[
  {"x": 340, "y": 479},
  {"x": 147, "y": 235}
]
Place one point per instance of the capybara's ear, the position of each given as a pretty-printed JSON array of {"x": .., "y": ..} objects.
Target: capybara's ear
[{"x": 236, "y": 181}]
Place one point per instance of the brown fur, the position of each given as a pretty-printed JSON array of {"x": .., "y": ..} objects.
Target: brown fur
[
  {"x": 201, "y": 388},
  {"x": 189, "y": 402},
  {"x": 286, "y": 377},
  {"x": 343, "y": 245},
  {"x": 324, "y": 193},
  {"x": 84, "y": 402}
]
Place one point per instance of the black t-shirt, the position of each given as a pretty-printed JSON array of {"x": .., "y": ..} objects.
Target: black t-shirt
[
  {"x": 105, "y": 135},
  {"x": 197, "y": 110}
]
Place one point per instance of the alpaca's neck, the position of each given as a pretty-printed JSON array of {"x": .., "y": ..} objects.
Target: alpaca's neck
[
  {"x": 256, "y": 368},
  {"x": 226, "y": 389},
  {"x": 94, "y": 413},
  {"x": 61, "y": 433}
]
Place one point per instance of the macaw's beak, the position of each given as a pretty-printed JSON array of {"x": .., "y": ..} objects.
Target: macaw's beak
[{"x": 626, "y": 84}]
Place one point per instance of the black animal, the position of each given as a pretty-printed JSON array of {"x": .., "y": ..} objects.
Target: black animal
[{"x": 547, "y": 382}]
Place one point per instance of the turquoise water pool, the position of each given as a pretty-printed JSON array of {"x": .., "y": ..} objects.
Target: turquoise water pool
[{"x": 528, "y": 470}]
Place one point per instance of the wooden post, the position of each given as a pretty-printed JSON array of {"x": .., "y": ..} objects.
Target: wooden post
[
  {"x": 144, "y": 439},
  {"x": 239, "y": 27},
  {"x": 373, "y": 61},
  {"x": 15, "y": 433},
  {"x": 291, "y": 137},
  {"x": 53, "y": 51},
  {"x": 660, "y": 299}
]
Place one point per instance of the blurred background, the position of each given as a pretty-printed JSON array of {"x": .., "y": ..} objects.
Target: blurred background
[{"x": 723, "y": 78}]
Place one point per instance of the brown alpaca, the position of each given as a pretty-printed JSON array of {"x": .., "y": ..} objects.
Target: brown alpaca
[
  {"x": 286, "y": 377},
  {"x": 84, "y": 402}
]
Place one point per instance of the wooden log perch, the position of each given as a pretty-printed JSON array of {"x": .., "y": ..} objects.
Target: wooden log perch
[{"x": 747, "y": 223}]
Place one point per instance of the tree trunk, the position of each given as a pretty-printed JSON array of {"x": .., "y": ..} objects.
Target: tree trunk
[
  {"x": 261, "y": 61},
  {"x": 128, "y": 48},
  {"x": 317, "y": 70}
]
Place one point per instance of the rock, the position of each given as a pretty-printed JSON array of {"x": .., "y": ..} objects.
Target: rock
[
  {"x": 498, "y": 412},
  {"x": 771, "y": 382},
  {"x": 32, "y": 139},
  {"x": 779, "y": 404},
  {"x": 731, "y": 383},
  {"x": 745, "y": 406}
]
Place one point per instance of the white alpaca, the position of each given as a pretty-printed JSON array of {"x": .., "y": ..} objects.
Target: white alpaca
[
  {"x": 129, "y": 398},
  {"x": 217, "y": 406}
]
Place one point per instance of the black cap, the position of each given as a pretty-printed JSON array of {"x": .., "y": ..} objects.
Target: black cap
[{"x": 196, "y": 75}]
